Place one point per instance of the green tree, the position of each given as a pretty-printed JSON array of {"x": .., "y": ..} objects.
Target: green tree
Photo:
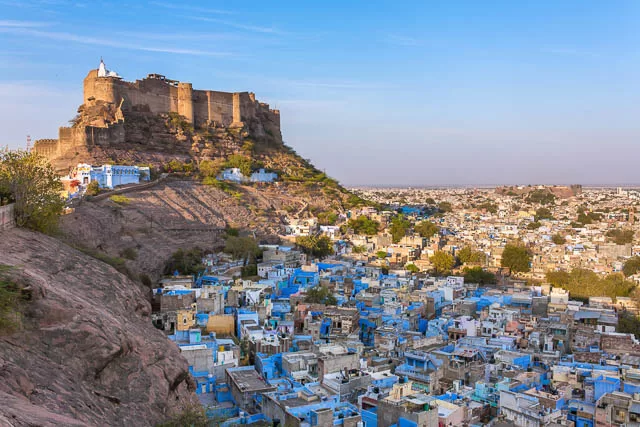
[
  {"x": 93, "y": 189},
  {"x": 430, "y": 201},
  {"x": 467, "y": 255},
  {"x": 558, "y": 239},
  {"x": 629, "y": 323},
  {"x": 244, "y": 248},
  {"x": 327, "y": 218},
  {"x": 11, "y": 299},
  {"x": 478, "y": 275},
  {"x": 412, "y": 268},
  {"x": 489, "y": 207},
  {"x": 543, "y": 213},
  {"x": 517, "y": 258},
  {"x": 426, "y": 229},
  {"x": 317, "y": 246},
  {"x": 241, "y": 162},
  {"x": 320, "y": 295},
  {"x": 620, "y": 236},
  {"x": 210, "y": 168},
  {"x": 533, "y": 225},
  {"x": 185, "y": 262},
  {"x": 28, "y": 180},
  {"x": 399, "y": 227},
  {"x": 543, "y": 197},
  {"x": 631, "y": 266},
  {"x": 442, "y": 262},
  {"x": 248, "y": 147},
  {"x": 364, "y": 225},
  {"x": 174, "y": 165},
  {"x": 558, "y": 278},
  {"x": 381, "y": 254},
  {"x": 359, "y": 249},
  {"x": 582, "y": 283},
  {"x": 445, "y": 207}
]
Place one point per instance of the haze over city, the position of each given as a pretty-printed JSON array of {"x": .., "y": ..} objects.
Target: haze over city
[{"x": 388, "y": 94}]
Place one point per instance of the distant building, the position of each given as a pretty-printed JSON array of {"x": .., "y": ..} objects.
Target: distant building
[
  {"x": 109, "y": 176},
  {"x": 235, "y": 175}
]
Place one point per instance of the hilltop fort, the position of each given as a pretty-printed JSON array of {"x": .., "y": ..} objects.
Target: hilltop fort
[{"x": 157, "y": 114}]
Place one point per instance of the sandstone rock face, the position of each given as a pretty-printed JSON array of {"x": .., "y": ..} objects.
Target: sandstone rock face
[
  {"x": 172, "y": 215},
  {"x": 87, "y": 353}
]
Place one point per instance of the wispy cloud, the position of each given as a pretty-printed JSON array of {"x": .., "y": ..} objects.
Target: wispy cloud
[
  {"x": 246, "y": 27},
  {"x": 570, "y": 52},
  {"x": 77, "y": 38},
  {"x": 191, "y": 8},
  {"x": 23, "y": 24},
  {"x": 166, "y": 36}
]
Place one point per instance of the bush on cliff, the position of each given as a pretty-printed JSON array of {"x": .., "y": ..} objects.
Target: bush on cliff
[
  {"x": 28, "y": 180},
  {"x": 11, "y": 297},
  {"x": 93, "y": 189}
]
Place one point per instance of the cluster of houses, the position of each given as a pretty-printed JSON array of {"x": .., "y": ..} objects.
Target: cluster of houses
[
  {"x": 396, "y": 349},
  {"x": 235, "y": 175},
  {"x": 107, "y": 177},
  {"x": 486, "y": 220}
]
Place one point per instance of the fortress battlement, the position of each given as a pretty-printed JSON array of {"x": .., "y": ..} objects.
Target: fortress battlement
[
  {"x": 161, "y": 95},
  {"x": 117, "y": 113}
]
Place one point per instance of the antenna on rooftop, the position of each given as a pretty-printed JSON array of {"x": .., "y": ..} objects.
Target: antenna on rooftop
[{"x": 28, "y": 143}]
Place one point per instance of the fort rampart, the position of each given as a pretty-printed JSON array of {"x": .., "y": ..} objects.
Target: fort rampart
[
  {"x": 154, "y": 94},
  {"x": 160, "y": 95}
]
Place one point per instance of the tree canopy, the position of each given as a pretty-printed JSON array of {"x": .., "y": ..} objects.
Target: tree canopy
[
  {"x": 412, "y": 268},
  {"x": 582, "y": 283},
  {"x": 317, "y": 246},
  {"x": 241, "y": 162},
  {"x": 185, "y": 262},
  {"x": 468, "y": 255},
  {"x": 364, "y": 225},
  {"x": 620, "y": 236},
  {"x": 399, "y": 227},
  {"x": 543, "y": 213},
  {"x": 28, "y": 180},
  {"x": 516, "y": 257},
  {"x": 533, "y": 225},
  {"x": 210, "y": 168},
  {"x": 558, "y": 239},
  {"x": 478, "y": 275},
  {"x": 244, "y": 248},
  {"x": 445, "y": 207},
  {"x": 426, "y": 229},
  {"x": 320, "y": 295},
  {"x": 631, "y": 266},
  {"x": 442, "y": 262},
  {"x": 543, "y": 197}
]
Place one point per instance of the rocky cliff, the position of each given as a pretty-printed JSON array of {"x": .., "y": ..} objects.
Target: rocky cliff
[{"x": 86, "y": 352}]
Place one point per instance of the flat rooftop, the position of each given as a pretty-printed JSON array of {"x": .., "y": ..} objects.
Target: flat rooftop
[{"x": 248, "y": 380}]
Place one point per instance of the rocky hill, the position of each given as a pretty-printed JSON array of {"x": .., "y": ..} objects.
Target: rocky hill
[
  {"x": 184, "y": 213},
  {"x": 85, "y": 351}
]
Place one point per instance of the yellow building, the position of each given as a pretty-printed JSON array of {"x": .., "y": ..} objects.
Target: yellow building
[{"x": 185, "y": 319}]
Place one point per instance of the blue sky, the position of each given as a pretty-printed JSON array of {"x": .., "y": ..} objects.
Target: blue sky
[{"x": 413, "y": 93}]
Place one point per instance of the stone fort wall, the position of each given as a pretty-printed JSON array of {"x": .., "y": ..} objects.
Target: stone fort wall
[{"x": 161, "y": 96}]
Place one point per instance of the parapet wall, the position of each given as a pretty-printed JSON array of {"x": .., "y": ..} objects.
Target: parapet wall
[{"x": 161, "y": 96}]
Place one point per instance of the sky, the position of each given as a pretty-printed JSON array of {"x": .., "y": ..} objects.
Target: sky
[{"x": 374, "y": 93}]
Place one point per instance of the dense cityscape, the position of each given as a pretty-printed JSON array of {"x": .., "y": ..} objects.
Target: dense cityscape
[
  {"x": 509, "y": 306},
  {"x": 274, "y": 214}
]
